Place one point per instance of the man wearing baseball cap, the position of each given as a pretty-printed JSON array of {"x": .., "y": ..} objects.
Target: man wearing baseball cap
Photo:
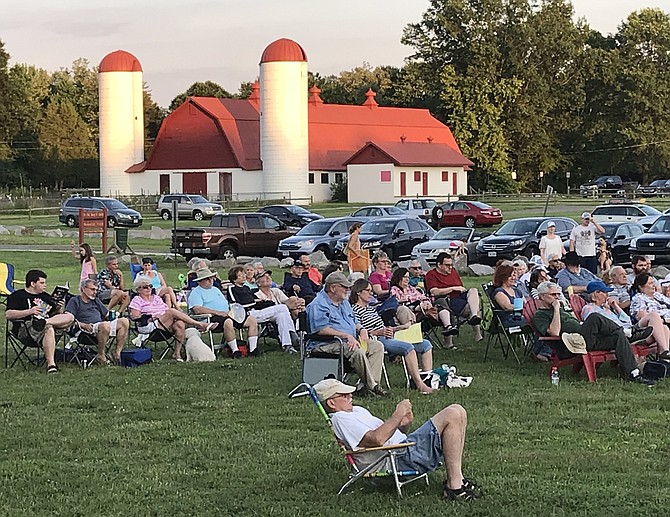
[
  {"x": 331, "y": 315},
  {"x": 583, "y": 241},
  {"x": 298, "y": 282},
  {"x": 440, "y": 439}
]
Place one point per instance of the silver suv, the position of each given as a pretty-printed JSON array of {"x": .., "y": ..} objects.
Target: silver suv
[
  {"x": 189, "y": 206},
  {"x": 424, "y": 208}
]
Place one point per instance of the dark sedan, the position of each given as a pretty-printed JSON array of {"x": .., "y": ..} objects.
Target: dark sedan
[
  {"x": 470, "y": 214},
  {"x": 394, "y": 235},
  {"x": 655, "y": 244},
  {"x": 520, "y": 237},
  {"x": 291, "y": 215},
  {"x": 618, "y": 237}
]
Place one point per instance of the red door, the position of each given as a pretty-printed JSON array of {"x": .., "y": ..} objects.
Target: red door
[
  {"x": 454, "y": 183},
  {"x": 403, "y": 183},
  {"x": 195, "y": 183},
  {"x": 424, "y": 181}
]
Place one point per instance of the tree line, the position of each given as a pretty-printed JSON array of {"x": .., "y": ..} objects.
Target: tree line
[{"x": 527, "y": 91}]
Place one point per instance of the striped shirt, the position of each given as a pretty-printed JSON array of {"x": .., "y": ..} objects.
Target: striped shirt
[{"x": 368, "y": 317}]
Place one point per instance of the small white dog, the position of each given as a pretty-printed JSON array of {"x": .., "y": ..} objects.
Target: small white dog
[{"x": 196, "y": 349}]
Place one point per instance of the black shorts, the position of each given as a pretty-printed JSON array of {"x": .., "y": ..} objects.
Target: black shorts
[{"x": 215, "y": 318}]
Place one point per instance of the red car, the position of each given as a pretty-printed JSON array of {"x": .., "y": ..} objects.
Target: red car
[{"x": 470, "y": 214}]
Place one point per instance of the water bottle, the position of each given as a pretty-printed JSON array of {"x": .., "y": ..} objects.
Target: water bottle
[
  {"x": 554, "y": 376},
  {"x": 112, "y": 315}
]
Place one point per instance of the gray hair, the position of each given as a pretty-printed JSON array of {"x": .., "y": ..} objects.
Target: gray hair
[
  {"x": 356, "y": 275},
  {"x": 85, "y": 282},
  {"x": 109, "y": 259},
  {"x": 258, "y": 264},
  {"x": 141, "y": 279},
  {"x": 545, "y": 286},
  {"x": 415, "y": 263},
  {"x": 615, "y": 269},
  {"x": 195, "y": 263}
]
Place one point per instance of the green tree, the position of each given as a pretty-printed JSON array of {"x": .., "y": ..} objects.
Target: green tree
[
  {"x": 5, "y": 106},
  {"x": 200, "y": 89},
  {"x": 153, "y": 118}
]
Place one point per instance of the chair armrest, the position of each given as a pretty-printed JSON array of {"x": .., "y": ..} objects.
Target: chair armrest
[{"x": 382, "y": 448}]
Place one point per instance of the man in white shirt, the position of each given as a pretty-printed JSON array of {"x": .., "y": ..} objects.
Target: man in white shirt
[
  {"x": 583, "y": 241},
  {"x": 440, "y": 439}
]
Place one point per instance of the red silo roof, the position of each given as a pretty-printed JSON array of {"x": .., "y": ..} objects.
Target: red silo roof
[
  {"x": 283, "y": 49},
  {"x": 119, "y": 61}
]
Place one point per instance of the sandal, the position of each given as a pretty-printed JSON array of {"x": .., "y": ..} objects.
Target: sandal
[
  {"x": 450, "y": 330},
  {"x": 52, "y": 368},
  {"x": 465, "y": 493}
]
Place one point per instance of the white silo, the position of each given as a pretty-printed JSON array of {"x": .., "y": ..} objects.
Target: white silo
[
  {"x": 283, "y": 119},
  {"x": 121, "y": 117}
]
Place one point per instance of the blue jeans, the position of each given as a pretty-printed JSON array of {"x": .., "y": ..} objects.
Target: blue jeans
[{"x": 396, "y": 347}]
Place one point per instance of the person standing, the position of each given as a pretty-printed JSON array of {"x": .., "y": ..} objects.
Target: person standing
[
  {"x": 583, "y": 241},
  {"x": 551, "y": 244},
  {"x": 359, "y": 259},
  {"x": 89, "y": 266}
]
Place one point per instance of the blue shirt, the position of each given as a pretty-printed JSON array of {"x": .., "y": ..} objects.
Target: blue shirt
[
  {"x": 211, "y": 298},
  {"x": 566, "y": 278},
  {"x": 322, "y": 312}
]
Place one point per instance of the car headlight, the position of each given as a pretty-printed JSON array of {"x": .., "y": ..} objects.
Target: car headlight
[
  {"x": 303, "y": 244},
  {"x": 124, "y": 216},
  {"x": 633, "y": 243},
  {"x": 518, "y": 242}
]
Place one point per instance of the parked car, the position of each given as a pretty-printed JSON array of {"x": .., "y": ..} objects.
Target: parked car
[
  {"x": 626, "y": 212},
  {"x": 396, "y": 236},
  {"x": 291, "y": 215},
  {"x": 230, "y": 235},
  {"x": 655, "y": 188},
  {"x": 520, "y": 237},
  {"x": 423, "y": 208},
  {"x": 189, "y": 206},
  {"x": 318, "y": 235},
  {"x": 449, "y": 240},
  {"x": 469, "y": 214},
  {"x": 618, "y": 237},
  {"x": 370, "y": 212},
  {"x": 655, "y": 244},
  {"x": 118, "y": 214},
  {"x": 601, "y": 185}
]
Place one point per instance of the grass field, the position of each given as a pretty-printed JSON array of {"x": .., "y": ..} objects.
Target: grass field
[{"x": 223, "y": 438}]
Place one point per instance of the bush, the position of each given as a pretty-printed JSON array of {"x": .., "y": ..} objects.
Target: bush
[{"x": 338, "y": 192}]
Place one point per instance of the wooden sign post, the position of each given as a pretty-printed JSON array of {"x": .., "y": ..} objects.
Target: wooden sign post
[{"x": 93, "y": 221}]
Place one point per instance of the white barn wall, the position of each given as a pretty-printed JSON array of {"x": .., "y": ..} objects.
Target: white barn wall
[{"x": 364, "y": 186}]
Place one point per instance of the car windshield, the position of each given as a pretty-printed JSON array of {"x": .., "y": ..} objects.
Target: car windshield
[
  {"x": 198, "y": 199},
  {"x": 609, "y": 231},
  {"x": 378, "y": 227},
  {"x": 518, "y": 227},
  {"x": 447, "y": 234},
  {"x": 481, "y": 205},
  {"x": 315, "y": 228},
  {"x": 394, "y": 210},
  {"x": 294, "y": 209},
  {"x": 429, "y": 203},
  {"x": 662, "y": 225},
  {"x": 649, "y": 210},
  {"x": 657, "y": 183},
  {"x": 114, "y": 204}
]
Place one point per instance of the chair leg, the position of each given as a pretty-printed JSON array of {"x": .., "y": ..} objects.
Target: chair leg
[{"x": 590, "y": 368}]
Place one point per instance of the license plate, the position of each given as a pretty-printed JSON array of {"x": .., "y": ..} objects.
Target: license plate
[
  {"x": 492, "y": 253},
  {"x": 187, "y": 250},
  {"x": 285, "y": 253},
  {"x": 651, "y": 257}
]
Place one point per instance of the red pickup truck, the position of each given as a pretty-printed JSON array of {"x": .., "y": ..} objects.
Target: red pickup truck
[{"x": 230, "y": 235}]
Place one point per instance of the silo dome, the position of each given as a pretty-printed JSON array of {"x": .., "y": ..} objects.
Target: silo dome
[
  {"x": 283, "y": 49},
  {"x": 119, "y": 61}
]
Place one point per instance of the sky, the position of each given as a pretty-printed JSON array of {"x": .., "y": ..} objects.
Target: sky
[{"x": 180, "y": 42}]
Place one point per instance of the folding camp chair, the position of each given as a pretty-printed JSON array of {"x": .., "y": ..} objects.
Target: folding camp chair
[
  {"x": 508, "y": 338},
  {"x": 377, "y": 469},
  {"x": 27, "y": 352},
  {"x": 590, "y": 361},
  {"x": 158, "y": 335},
  {"x": 6, "y": 281}
]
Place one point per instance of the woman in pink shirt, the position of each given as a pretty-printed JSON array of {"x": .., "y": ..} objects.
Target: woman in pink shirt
[
  {"x": 381, "y": 276},
  {"x": 151, "y": 313}
]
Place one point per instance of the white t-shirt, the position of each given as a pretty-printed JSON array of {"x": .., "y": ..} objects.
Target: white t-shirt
[
  {"x": 585, "y": 239},
  {"x": 351, "y": 426},
  {"x": 551, "y": 247}
]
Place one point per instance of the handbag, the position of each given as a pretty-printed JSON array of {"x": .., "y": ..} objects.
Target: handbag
[{"x": 655, "y": 370}]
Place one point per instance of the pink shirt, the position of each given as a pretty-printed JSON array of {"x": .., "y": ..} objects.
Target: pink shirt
[
  {"x": 86, "y": 270},
  {"x": 382, "y": 280},
  {"x": 156, "y": 306}
]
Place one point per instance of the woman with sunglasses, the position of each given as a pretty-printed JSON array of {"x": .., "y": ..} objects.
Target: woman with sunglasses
[
  {"x": 381, "y": 275},
  {"x": 150, "y": 312},
  {"x": 158, "y": 283},
  {"x": 367, "y": 316}
]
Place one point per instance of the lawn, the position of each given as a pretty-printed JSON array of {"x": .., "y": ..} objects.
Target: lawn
[{"x": 223, "y": 438}]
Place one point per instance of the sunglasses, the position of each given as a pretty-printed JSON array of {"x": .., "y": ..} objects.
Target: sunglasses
[{"x": 145, "y": 286}]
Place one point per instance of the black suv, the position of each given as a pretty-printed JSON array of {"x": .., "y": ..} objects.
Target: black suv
[
  {"x": 118, "y": 214},
  {"x": 291, "y": 215},
  {"x": 655, "y": 188},
  {"x": 394, "y": 235},
  {"x": 655, "y": 243},
  {"x": 520, "y": 237}
]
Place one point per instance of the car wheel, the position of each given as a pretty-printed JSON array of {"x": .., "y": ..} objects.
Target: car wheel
[
  {"x": 71, "y": 222},
  {"x": 111, "y": 222},
  {"x": 437, "y": 214},
  {"x": 227, "y": 252},
  {"x": 470, "y": 222},
  {"x": 198, "y": 215},
  {"x": 165, "y": 215},
  {"x": 531, "y": 250},
  {"x": 326, "y": 251}
]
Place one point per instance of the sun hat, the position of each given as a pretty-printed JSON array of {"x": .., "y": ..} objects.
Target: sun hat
[
  {"x": 574, "y": 342},
  {"x": 571, "y": 258},
  {"x": 328, "y": 388},
  {"x": 203, "y": 274},
  {"x": 263, "y": 273},
  {"x": 337, "y": 278}
]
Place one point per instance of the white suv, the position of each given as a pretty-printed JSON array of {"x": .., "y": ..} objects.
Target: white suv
[
  {"x": 423, "y": 208},
  {"x": 624, "y": 213}
]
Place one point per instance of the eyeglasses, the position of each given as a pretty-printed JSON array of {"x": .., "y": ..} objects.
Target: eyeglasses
[
  {"x": 145, "y": 286},
  {"x": 308, "y": 264},
  {"x": 447, "y": 265},
  {"x": 343, "y": 395},
  {"x": 553, "y": 294},
  {"x": 91, "y": 287},
  {"x": 414, "y": 267}
]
